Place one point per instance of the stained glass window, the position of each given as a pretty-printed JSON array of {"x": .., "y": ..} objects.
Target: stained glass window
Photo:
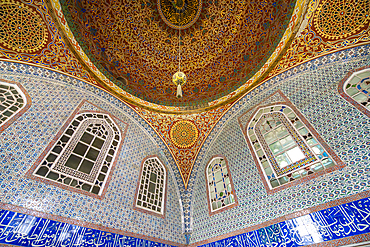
[
  {"x": 12, "y": 100},
  {"x": 151, "y": 191},
  {"x": 219, "y": 184},
  {"x": 83, "y": 155},
  {"x": 358, "y": 87},
  {"x": 284, "y": 146}
]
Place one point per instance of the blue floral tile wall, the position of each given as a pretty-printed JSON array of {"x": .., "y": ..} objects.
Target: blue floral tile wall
[
  {"x": 54, "y": 98},
  {"x": 312, "y": 88}
]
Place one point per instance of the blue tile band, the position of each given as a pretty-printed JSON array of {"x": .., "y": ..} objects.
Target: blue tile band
[{"x": 334, "y": 223}]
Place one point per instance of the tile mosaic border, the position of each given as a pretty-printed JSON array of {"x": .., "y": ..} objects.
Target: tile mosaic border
[
  {"x": 339, "y": 163},
  {"x": 358, "y": 106},
  {"x": 232, "y": 188},
  {"x": 23, "y": 110},
  {"x": 22, "y": 210},
  {"x": 138, "y": 185},
  {"x": 338, "y": 202},
  {"x": 29, "y": 173}
]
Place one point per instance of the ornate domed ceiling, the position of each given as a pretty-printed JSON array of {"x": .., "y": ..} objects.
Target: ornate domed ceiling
[{"x": 135, "y": 43}]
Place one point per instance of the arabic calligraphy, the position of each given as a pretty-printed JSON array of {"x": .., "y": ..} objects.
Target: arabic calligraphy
[
  {"x": 25, "y": 230},
  {"x": 330, "y": 224}
]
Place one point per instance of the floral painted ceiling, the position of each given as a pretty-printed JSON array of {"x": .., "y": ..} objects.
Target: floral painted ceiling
[
  {"x": 43, "y": 33},
  {"x": 135, "y": 44}
]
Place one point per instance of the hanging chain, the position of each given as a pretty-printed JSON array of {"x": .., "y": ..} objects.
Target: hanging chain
[{"x": 179, "y": 36}]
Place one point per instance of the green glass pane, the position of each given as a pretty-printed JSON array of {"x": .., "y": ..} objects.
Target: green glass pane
[
  {"x": 253, "y": 138},
  {"x": 317, "y": 167},
  {"x": 265, "y": 164},
  {"x": 257, "y": 146},
  {"x": 260, "y": 153},
  {"x": 218, "y": 176},
  {"x": 298, "y": 124},
  {"x": 153, "y": 177},
  {"x": 311, "y": 141},
  {"x": 214, "y": 205},
  {"x": 276, "y": 148},
  {"x": 151, "y": 187},
  {"x": 274, "y": 183},
  {"x": 352, "y": 91},
  {"x": 303, "y": 131},
  {"x": 291, "y": 116},
  {"x": 287, "y": 142},
  {"x": 282, "y": 160},
  {"x": 227, "y": 201},
  {"x": 287, "y": 111},
  {"x": 268, "y": 171},
  {"x": 296, "y": 175},
  {"x": 360, "y": 97},
  {"x": 284, "y": 180},
  {"x": 227, "y": 180},
  {"x": 213, "y": 195},
  {"x": 365, "y": 85},
  {"x": 220, "y": 186},
  {"x": 270, "y": 137},
  {"x": 281, "y": 131}
]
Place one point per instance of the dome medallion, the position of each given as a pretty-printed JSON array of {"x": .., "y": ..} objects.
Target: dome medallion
[{"x": 179, "y": 14}]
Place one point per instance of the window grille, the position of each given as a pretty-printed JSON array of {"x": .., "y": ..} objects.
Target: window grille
[
  {"x": 151, "y": 191},
  {"x": 285, "y": 148},
  {"x": 358, "y": 87},
  {"x": 12, "y": 100},
  {"x": 83, "y": 155},
  {"x": 220, "y": 189}
]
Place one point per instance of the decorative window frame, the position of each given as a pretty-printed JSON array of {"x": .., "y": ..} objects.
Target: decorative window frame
[
  {"x": 338, "y": 162},
  {"x": 229, "y": 206},
  {"x": 67, "y": 123},
  {"x": 343, "y": 83},
  {"x": 27, "y": 103},
  {"x": 164, "y": 199}
]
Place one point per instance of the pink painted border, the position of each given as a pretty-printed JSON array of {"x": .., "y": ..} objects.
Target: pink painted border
[
  {"x": 341, "y": 91},
  {"x": 165, "y": 192},
  {"x": 35, "y": 213},
  {"x": 23, "y": 110},
  {"x": 339, "y": 163},
  {"x": 56, "y": 138},
  {"x": 355, "y": 197},
  {"x": 232, "y": 188}
]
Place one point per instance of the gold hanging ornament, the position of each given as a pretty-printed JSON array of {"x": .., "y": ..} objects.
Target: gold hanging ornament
[{"x": 179, "y": 78}]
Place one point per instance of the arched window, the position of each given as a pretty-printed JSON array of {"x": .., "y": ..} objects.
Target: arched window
[
  {"x": 284, "y": 146},
  {"x": 13, "y": 102},
  {"x": 221, "y": 192},
  {"x": 356, "y": 89},
  {"x": 82, "y": 157},
  {"x": 151, "y": 189}
]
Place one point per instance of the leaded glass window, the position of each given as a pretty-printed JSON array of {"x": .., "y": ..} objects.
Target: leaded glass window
[
  {"x": 12, "y": 100},
  {"x": 358, "y": 87},
  {"x": 284, "y": 146},
  {"x": 220, "y": 190},
  {"x": 151, "y": 191},
  {"x": 83, "y": 155}
]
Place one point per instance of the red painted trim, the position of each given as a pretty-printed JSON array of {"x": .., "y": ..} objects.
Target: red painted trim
[
  {"x": 23, "y": 109},
  {"x": 341, "y": 91},
  {"x": 29, "y": 173},
  {"x": 236, "y": 203},
  {"x": 355, "y": 197},
  {"x": 165, "y": 191},
  {"x": 35, "y": 213},
  {"x": 339, "y": 163}
]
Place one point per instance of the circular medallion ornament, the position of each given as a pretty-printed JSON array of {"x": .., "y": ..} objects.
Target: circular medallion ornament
[
  {"x": 21, "y": 28},
  {"x": 179, "y": 14},
  {"x": 184, "y": 134},
  {"x": 337, "y": 19}
]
